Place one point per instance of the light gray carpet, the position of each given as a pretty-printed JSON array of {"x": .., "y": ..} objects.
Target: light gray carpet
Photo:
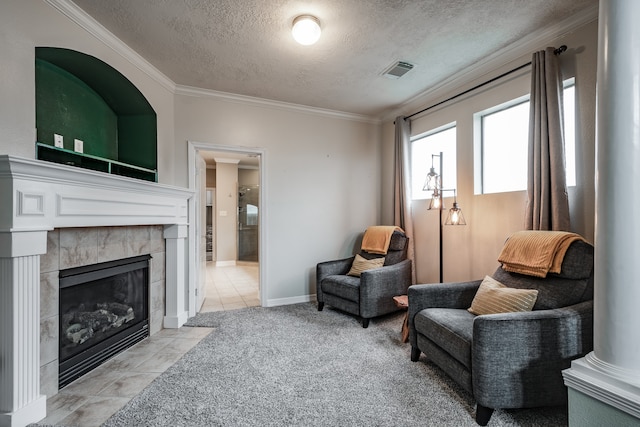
[{"x": 295, "y": 366}]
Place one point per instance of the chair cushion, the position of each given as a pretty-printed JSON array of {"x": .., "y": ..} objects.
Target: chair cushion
[
  {"x": 398, "y": 241},
  {"x": 494, "y": 297},
  {"x": 347, "y": 287},
  {"x": 578, "y": 262},
  {"x": 450, "y": 329},
  {"x": 553, "y": 292},
  {"x": 397, "y": 250},
  {"x": 361, "y": 264}
]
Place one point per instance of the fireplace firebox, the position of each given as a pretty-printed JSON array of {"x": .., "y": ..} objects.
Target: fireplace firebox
[{"x": 104, "y": 309}]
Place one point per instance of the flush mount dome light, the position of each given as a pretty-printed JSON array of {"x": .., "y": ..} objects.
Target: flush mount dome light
[{"x": 306, "y": 29}]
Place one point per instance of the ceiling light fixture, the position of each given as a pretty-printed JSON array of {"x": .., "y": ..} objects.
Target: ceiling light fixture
[{"x": 306, "y": 29}]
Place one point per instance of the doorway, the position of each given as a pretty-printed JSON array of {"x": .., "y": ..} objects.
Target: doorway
[{"x": 234, "y": 257}]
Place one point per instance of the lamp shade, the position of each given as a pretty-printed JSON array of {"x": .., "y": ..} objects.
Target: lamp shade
[
  {"x": 432, "y": 182},
  {"x": 455, "y": 217},
  {"x": 436, "y": 201},
  {"x": 306, "y": 29}
]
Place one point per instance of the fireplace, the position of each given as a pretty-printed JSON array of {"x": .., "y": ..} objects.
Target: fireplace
[
  {"x": 104, "y": 309},
  {"x": 40, "y": 200}
]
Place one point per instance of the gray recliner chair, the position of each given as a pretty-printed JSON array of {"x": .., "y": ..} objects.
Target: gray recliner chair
[
  {"x": 508, "y": 360},
  {"x": 371, "y": 294}
]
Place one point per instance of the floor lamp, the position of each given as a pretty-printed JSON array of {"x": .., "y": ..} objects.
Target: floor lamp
[{"x": 454, "y": 217}]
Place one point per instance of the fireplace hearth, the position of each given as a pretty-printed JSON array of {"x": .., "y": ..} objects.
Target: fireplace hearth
[{"x": 104, "y": 309}]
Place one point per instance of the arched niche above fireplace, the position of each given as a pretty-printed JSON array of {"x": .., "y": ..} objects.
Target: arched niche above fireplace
[{"x": 80, "y": 97}]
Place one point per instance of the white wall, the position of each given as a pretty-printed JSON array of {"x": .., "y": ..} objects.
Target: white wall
[
  {"x": 226, "y": 214},
  {"x": 327, "y": 178},
  {"x": 25, "y": 25},
  {"x": 248, "y": 176},
  {"x": 471, "y": 251},
  {"x": 322, "y": 172},
  {"x": 322, "y": 181}
]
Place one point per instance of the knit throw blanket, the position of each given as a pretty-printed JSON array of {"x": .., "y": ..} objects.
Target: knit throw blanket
[
  {"x": 376, "y": 238},
  {"x": 536, "y": 253}
]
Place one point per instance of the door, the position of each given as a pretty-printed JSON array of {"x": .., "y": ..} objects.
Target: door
[{"x": 248, "y": 211}]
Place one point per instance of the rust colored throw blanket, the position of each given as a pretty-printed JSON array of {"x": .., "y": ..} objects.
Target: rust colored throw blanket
[
  {"x": 536, "y": 253},
  {"x": 376, "y": 238}
]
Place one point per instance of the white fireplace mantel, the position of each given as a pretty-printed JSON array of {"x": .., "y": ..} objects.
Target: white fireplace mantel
[{"x": 36, "y": 197}]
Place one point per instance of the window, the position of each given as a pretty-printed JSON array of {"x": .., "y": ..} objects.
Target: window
[
  {"x": 423, "y": 147},
  {"x": 252, "y": 214},
  {"x": 503, "y": 134},
  {"x": 504, "y": 148},
  {"x": 569, "y": 100}
]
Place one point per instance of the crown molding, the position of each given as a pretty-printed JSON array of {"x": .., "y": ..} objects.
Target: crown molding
[
  {"x": 280, "y": 105},
  {"x": 93, "y": 27},
  {"x": 455, "y": 81},
  {"x": 88, "y": 23},
  {"x": 488, "y": 66}
]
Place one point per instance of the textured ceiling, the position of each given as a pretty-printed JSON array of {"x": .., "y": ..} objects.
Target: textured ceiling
[{"x": 245, "y": 46}]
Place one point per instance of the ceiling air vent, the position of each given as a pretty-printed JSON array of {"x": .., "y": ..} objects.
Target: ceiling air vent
[{"x": 398, "y": 70}]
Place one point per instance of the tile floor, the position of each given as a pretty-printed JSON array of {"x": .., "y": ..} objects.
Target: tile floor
[
  {"x": 232, "y": 287},
  {"x": 91, "y": 400}
]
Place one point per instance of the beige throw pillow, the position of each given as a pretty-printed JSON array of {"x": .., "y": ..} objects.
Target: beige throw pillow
[
  {"x": 494, "y": 297},
  {"x": 361, "y": 264}
]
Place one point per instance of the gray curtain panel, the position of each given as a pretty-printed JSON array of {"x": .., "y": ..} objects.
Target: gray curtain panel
[
  {"x": 547, "y": 200},
  {"x": 402, "y": 215}
]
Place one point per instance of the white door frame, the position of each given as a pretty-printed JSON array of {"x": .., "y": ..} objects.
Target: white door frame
[{"x": 193, "y": 147}]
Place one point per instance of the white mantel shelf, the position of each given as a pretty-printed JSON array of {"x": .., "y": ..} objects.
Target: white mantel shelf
[
  {"x": 38, "y": 196},
  {"x": 47, "y": 195}
]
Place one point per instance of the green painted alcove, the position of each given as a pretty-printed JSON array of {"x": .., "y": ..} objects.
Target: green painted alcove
[{"x": 80, "y": 97}]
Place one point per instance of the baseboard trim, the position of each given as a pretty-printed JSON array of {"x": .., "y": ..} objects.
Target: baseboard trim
[
  {"x": 174, "y": 322},
  {"x": 288, "y": 301},
  {"x": 590, "y": 378},
  {"x": 31, "y": 412}
]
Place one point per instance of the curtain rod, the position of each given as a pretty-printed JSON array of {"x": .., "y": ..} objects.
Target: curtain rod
[{"x": 557, "y": 51}]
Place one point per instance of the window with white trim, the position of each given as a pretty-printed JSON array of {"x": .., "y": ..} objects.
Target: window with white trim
[
  {"x": 502, "y": 134},
  {"x": 423, "y": 148}
]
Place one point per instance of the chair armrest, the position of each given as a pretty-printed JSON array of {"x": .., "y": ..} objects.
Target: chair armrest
[
  {"x": 532, "y": 348},
  {"x": 330, "y": 268},
  {"x": 439, "y": 295},
  {"x": 442, "y": 295},
  {"x": 383, "y": 282}
]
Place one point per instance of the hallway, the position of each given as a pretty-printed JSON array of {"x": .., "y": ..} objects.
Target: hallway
[{"x": 231, "y": 287}]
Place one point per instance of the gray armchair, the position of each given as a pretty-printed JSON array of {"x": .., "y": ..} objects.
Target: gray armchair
[
  {"x": 508, "y": 360},
  {"x": 371, "y": 294}
]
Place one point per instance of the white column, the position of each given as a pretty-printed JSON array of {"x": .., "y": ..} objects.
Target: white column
[
  {"x": 611, "y": 373},
  {"x": 176, "y": 243},
  {"x": 617, "y": 317},
  {"x": 20, "y": 400}
]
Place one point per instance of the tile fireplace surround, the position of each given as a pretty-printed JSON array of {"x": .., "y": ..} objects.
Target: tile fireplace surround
[{"x": 44, "y": 206}]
